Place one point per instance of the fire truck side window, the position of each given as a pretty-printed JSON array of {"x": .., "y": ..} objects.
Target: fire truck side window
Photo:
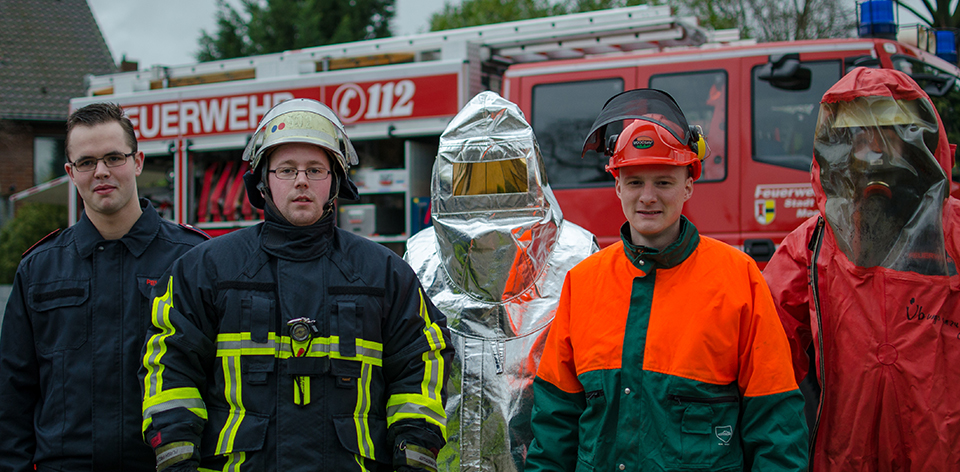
[
  {"x": 562, "y": 115},
  {"x": 703, "y": 98},
  {"x": 784, "y": 120}
]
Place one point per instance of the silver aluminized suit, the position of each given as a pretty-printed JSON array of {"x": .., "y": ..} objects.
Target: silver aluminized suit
[{"x": 493, "y": 263}]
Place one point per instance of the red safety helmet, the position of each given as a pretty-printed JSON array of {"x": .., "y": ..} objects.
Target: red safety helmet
[
  {"x": 645, "y": 142},
  {"x": 656, "y": 132}
]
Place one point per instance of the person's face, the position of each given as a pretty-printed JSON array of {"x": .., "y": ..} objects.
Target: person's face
[
  {"x": 652, "y": 197},
  {"x": 300, "y": 200},
  {"x": 104, "y": 190}
]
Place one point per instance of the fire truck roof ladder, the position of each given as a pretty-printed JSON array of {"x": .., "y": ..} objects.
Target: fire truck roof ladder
[{"x": 558, "y": 37}]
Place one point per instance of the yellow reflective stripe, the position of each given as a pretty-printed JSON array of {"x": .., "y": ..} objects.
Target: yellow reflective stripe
[
  {"x": 233, "y": 464},
  {"x": 186, "y": 397},
  {"x": 301, "y": 390},
  {"x": 232, "y": 390},
  {"x": 428, "y": 405},
  {"x": 413, "y": 404},
  {"x": 156, "y": 346},
  {"x": 364, "y": 440},
  {"x": 360, "y": 461},
  {"x": 237, "y": 344}
]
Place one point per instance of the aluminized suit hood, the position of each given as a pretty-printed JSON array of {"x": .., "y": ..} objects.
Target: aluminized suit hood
[
  {"x": 495, "y": 216},
  {"x": 494, "y": 263}
]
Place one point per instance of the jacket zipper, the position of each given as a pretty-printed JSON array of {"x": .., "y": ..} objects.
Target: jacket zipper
[
  {"x": 814, "y": 282},
  {"x": 680, "y": 399}
]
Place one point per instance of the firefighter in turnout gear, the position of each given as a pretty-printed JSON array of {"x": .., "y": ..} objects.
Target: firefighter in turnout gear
[
  {"x": 294, "y": 345},
  {"x": 666, "y": 352}
]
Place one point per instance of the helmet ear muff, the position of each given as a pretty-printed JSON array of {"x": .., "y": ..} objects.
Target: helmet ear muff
[
  {"x": 697, "y": 143},
  {"x": 611, "y": 145}
]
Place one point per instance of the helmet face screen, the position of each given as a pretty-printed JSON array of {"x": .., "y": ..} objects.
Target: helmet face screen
[{"x": 490, "y": 177}]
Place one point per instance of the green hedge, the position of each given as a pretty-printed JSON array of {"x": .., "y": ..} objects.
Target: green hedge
[{"x": 33, "y": 221}]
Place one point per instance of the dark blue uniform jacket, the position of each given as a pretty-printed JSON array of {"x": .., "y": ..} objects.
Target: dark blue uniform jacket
[{"x": 70, "y": 347}]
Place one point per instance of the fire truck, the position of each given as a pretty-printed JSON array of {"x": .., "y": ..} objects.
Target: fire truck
[{"x": 757, "y": 104}]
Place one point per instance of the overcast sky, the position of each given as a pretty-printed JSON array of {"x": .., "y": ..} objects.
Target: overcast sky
[{"x": 166, "y": 32}]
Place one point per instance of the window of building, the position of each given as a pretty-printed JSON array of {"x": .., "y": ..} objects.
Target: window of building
[{"x": 48, "y": 158}]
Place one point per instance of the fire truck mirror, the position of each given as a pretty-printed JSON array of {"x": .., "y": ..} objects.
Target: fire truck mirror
[{"x": 784, "y": 72}]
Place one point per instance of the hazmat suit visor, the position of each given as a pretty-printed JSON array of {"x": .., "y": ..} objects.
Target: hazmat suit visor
[
  {"x": 494, "y": 214},
  {"x": 882, "y": 182}
]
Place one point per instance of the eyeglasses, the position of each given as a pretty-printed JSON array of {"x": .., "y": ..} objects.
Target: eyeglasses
[
  {"x": 291, "y": 173},
  {"x": 110, "y": 160}
]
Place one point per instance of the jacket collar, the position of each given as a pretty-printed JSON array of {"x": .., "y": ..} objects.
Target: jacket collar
[
  {"x": 671, "y": 256},
  {"x": 87, "y": 237},
  {"x": 281, "y": 239}
]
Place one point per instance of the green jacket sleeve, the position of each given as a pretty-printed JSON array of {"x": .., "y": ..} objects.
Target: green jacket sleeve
[{"x": 554, "y": 421}]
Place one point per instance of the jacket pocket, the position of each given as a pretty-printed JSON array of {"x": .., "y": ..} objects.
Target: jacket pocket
[
  {"x": 228, "y": 432},
  {"x": 591, "y": 420},
  {"x": 709, "y": 435},
  {"x": 364, "y": 435},
  {"x": 59, "y": 314}
]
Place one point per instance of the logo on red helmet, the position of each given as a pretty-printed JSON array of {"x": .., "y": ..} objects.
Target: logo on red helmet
[{"x": 642, "y": 142}]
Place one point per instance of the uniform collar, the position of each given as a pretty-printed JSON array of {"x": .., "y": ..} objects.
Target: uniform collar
[
  {"x": 281, "y": 239},
  {"x": 671, "y": 256},
  {"x": 87, "y": 237}
]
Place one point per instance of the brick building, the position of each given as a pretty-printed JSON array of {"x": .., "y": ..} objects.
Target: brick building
[{"x": 46, "y": 49}]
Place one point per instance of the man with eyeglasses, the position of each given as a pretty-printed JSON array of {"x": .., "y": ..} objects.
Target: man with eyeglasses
[
  {"x": 77, "y": 316},
  {"x": 292, "y": 344}
]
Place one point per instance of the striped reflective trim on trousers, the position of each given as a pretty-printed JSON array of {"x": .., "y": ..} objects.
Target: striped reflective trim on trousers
[{"x": 233, "y": 393}]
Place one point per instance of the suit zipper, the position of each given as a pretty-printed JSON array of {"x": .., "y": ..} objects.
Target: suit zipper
[{"x": 814, "y": 282}]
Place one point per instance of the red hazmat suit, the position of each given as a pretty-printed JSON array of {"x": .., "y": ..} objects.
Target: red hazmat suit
[{"x": 872, "y": 282}]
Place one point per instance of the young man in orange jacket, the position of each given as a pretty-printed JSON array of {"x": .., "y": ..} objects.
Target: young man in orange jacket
[{"x": 666, "y": 352}]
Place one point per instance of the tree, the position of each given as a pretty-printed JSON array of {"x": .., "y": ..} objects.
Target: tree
[
  {"x": 938, "y": 14},
  {"x": 269, "y": 26},
  {"x": 774, "y": 20},
  {"x": 33, "y": 221},
  {"x": 485, "y": 12}
]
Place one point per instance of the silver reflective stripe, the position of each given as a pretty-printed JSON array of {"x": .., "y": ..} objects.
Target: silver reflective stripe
[
  {"x": 188, "y": 403},
  {"x": 156, "y": 346},
  {"x": 225, "y": 347},
  {"x": 414, "y": 409},
  {"x": 231, "y": 374},
  {"x": 363, "y": 409}
]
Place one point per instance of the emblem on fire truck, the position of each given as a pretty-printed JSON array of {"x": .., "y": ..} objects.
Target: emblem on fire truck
[{"x": 765, "y": 211}]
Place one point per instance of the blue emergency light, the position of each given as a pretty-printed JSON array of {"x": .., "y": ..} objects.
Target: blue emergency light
[
  {"x": 947, "y": 46},
  {"x": 877, "y": 19}
]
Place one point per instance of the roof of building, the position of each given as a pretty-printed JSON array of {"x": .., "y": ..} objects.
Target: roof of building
[{"x": 46, "y": 49}]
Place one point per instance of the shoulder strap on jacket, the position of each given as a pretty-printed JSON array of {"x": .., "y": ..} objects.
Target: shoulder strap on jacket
[{"x": 48, "y": 237}]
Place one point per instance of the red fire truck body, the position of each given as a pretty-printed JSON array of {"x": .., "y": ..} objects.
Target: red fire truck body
[{"x": 757, "y": 104}]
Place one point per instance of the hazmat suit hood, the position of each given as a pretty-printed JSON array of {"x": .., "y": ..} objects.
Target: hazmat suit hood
[
  {"x": 881, "y": 160},
  {"x": 495, "y": 217}
]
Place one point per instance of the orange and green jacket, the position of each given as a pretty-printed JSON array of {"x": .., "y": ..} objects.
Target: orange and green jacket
[{"x": 667, "y": 360}]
